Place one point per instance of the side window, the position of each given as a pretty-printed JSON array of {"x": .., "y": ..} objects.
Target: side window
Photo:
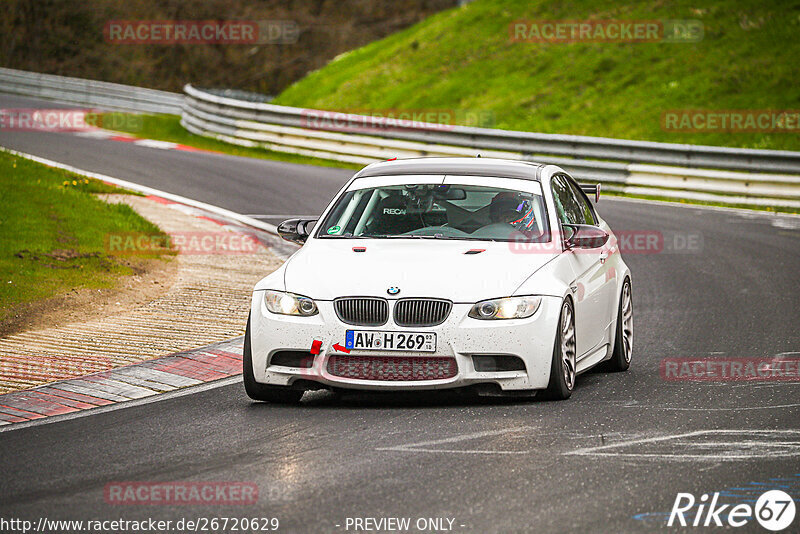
[
  {"x": 567, "y": 207},
  {"x": 583, "y": 203}
]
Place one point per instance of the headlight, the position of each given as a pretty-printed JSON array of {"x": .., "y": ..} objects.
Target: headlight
[
  {"x": 507, "y": 308},
  {"x": 289, "y": 303}
]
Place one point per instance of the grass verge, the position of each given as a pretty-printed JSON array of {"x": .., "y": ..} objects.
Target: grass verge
[
  {"x": 673, "y": 200},
  {"x": 465, "y": 61},
  {"x": 53, "y": 234}
]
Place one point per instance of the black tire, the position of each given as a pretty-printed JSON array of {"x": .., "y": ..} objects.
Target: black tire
[
  {"x": 623, "y": 350},
  {"x": 263, "y": 392},
  {"x": 558, "y": 388}
]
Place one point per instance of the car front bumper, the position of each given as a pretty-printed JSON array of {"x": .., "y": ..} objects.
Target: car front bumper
[{"x": 459, "y": 337}]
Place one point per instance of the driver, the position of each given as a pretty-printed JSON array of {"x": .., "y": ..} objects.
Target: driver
[{"x": 505, "y": 207}]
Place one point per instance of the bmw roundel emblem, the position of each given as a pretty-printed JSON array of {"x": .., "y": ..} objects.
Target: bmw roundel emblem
[{"x": 394, "y": 290}]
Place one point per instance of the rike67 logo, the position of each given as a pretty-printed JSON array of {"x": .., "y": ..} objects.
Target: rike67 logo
[{"x": 774, "y": 510}]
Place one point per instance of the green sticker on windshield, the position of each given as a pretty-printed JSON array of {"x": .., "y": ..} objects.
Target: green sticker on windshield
[{"x": 334, "y": 230}]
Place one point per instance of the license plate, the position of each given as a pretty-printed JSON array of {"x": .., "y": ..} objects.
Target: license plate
[{"x": 390, "y": 341}]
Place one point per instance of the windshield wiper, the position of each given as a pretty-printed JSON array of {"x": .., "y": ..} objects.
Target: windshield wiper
[
  {"x": 435, "y": 236},
  {"x": 466, "y": 238},
  {"x": 416, "y": 236},
  {"x": 397, "y": 236}
]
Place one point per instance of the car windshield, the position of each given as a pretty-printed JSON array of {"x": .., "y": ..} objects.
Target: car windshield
[{"x": 437, "y": 211}]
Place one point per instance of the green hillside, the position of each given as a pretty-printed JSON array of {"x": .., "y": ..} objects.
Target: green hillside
[{"x": 464, "y": 60}]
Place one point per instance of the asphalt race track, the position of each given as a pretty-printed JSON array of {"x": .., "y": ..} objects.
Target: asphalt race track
[{"x": 610, "y": 459}]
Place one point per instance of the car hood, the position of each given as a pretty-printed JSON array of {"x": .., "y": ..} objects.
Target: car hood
[{"x": 325, "y": 269}]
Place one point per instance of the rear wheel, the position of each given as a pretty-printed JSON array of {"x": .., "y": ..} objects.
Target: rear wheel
[
  {"x": 623, "y": 338},
  {"x": 563, "y": 366},
  {"x": 263, "y": 392}
]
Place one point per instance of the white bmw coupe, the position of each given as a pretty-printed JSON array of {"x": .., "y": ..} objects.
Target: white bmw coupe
[{"x": 437, "y": 273}]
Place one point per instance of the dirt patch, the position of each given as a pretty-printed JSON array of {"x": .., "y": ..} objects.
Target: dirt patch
[
  {"x": 152, "y": 278},
  {"x": 64, "y": 257},
  {"x": 170, "y": 305}
]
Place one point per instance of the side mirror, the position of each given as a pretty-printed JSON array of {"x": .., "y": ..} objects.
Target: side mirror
[
  {"x": 592, "y": 190},
  {"x": 296, "y": 230},
  {"x": 584, "y": 236}
]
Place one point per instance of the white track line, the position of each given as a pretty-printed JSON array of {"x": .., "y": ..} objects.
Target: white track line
[
  {"x": 190, "y": 390},
  {"x": 605, "y": 450},
  {"x": 736, "y": 409},
  {"x": 244, "y": 219},
  {"x": 423, "y": 446}
]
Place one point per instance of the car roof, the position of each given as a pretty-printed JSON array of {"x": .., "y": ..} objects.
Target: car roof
[{"x": 491, "y": 167}]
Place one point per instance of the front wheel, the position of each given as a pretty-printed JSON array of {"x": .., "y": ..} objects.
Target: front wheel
[
  {"x": 563, "y": 366},
  {"x": 263, "y": 392},
  {"x": 623, "y": 338}
]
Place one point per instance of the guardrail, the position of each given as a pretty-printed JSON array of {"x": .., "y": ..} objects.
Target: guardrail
[
  {"x": 706, "y": 173},
  {"x": 105, "y": 95}
]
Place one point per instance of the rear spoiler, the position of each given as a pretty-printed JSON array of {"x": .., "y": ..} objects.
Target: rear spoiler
[{"x": 593, "y": 189}]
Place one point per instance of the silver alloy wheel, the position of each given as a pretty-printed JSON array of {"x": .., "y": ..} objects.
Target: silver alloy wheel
[
  {"x": 568, "y": 345},
  {"x": 627, "y": 322}
]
